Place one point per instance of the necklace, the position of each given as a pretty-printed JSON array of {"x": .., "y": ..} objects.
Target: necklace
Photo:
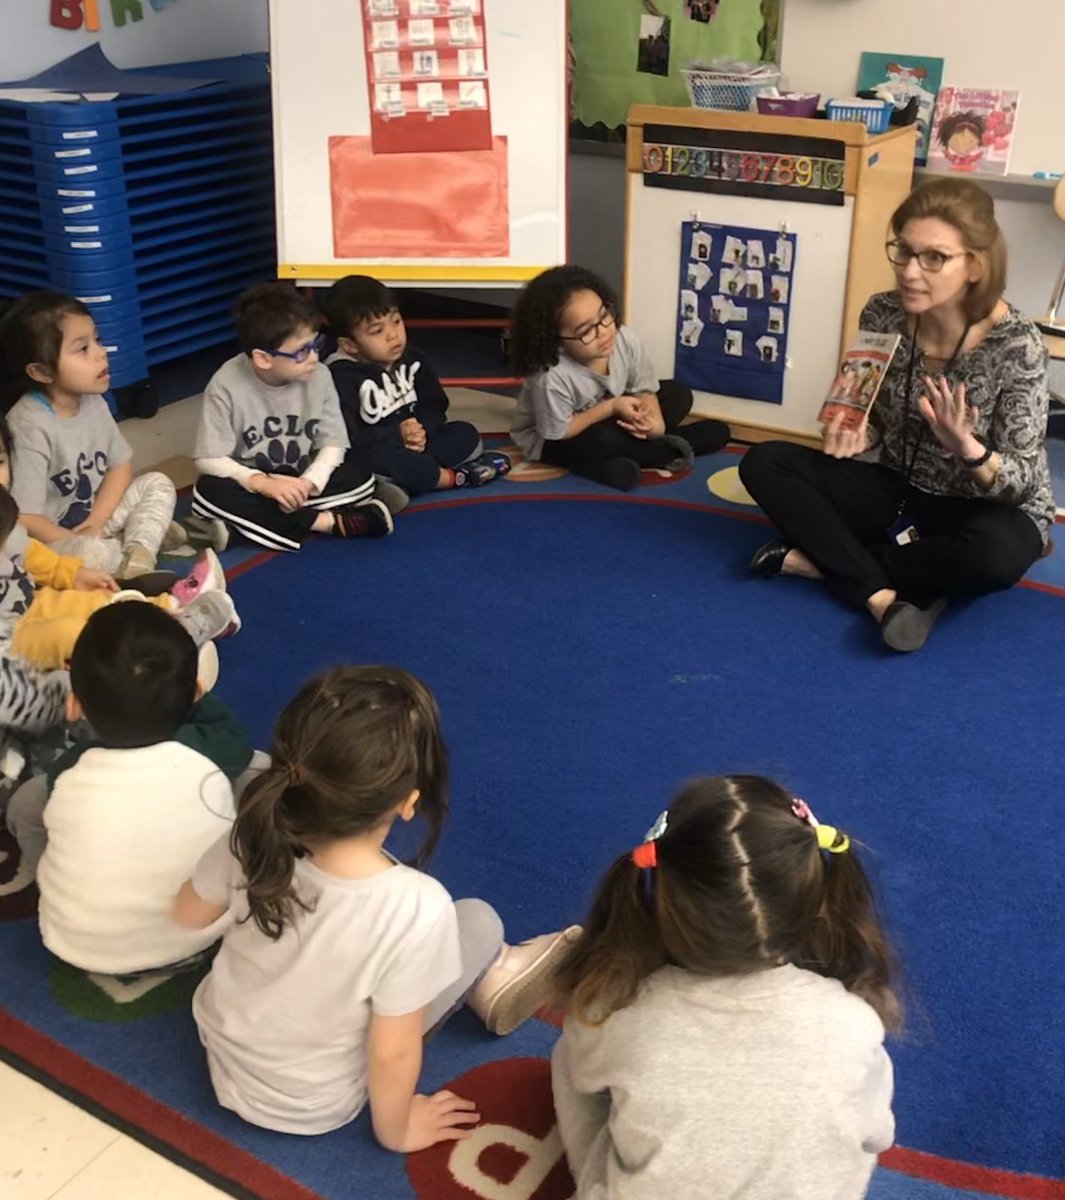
[{"x": 912, "y": 370}]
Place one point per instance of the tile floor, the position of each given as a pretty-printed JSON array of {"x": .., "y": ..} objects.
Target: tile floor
[{"x": 49, "y": 1148}]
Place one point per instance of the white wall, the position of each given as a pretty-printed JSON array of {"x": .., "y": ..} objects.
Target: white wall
[{"x": 186, "y": 30}]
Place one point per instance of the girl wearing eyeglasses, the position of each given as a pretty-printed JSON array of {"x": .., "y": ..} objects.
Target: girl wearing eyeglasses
[
  {"x": 591, "y": 401},
  {"x": 959, "y": 501}
]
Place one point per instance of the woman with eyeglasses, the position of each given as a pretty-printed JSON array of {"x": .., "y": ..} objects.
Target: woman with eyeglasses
[
  {"x": 591, "y": 401},
  {"x": 959, "y": 500}
]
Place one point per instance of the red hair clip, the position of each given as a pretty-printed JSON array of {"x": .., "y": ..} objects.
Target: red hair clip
[{"x": 645, "y": 856}]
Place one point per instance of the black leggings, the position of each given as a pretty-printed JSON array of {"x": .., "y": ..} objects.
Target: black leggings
[
  {"x": 606, "y": 439},
  {"x": 839, "y": 511}
]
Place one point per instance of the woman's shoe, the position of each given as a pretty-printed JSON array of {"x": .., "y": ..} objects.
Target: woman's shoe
[
  {"x": 905, "y": 627},
  {"x": 769, "y": 559}
]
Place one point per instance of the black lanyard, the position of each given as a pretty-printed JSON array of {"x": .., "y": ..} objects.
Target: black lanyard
[{"x": 908, "y": 466}]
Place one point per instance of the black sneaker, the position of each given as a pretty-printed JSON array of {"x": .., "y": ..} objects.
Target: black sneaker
[{"x": 370, "y": 520}]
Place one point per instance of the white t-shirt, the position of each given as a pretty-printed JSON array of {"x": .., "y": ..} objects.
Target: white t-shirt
[
  {"x": 285, "y": 1022},
  {"x": 125, "y": 829}
]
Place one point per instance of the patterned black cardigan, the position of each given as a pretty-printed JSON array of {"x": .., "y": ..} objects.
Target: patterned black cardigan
[{"x": 1005, "y": 378}]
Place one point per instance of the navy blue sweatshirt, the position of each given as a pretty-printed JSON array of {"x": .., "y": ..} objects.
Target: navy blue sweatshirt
[{"x": 375, "y": 401}]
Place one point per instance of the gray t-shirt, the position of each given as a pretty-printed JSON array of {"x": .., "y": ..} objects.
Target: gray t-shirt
[
  {"x": 550, "y": 399},
  {"x": 60, "y": 462},
  {"x": 285, "y": 1023},
  {"x": 265, "y": 427},
  {"x": 752, "y": 1087}
]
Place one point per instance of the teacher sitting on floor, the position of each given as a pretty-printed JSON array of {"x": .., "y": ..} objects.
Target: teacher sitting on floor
[{"x": 960, "y": 501}]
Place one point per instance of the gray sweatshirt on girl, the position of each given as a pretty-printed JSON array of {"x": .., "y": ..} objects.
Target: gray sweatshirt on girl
[{"x": 772, "y": 1086}]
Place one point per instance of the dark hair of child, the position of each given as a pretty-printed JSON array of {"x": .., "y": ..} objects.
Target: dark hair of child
[
  {"x": 346, "y": 752},
  {"x": 31, "y": 331},
  {"x": 268, "y": 314},
  {"x": 740, "y": 886},
  {"x": 134, "y": 672},
  {"x": 355, "y": 299},
  {"x": 8, "y": 514},
  {"x": 534, "y": 337}
]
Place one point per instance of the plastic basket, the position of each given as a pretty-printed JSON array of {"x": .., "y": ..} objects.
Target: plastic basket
[
  {"x": 789, "y": 106},
  {"x": 736, "y": 93},
  {"x": 874, "y": 114}
]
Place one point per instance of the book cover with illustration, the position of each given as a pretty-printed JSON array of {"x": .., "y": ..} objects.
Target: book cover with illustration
[
  {"x": 859, "y": 378},
  {"x": 900, "y": 77},
  {"x": 972, "y": 130}
]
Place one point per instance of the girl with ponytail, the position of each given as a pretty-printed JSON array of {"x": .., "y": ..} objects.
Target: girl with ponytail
[
  {"x": 339, "y": 959},
  {"x": 726, "y": 1010}
]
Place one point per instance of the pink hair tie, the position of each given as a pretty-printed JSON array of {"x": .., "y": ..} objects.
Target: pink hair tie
[{"x": 645, "y": 856}]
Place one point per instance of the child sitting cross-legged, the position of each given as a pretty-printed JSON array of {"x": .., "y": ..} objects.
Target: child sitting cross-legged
[
  {"x": 127, "y": 814},
  {"x": 271, "y": 443},
  {"x": 392, "y": 400},
  {"x": 74, "y": 478},
  {"x": 339, "y": 959}
]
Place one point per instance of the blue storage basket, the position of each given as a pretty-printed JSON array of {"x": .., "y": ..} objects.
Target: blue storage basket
[{"x": 874, "y": 114}]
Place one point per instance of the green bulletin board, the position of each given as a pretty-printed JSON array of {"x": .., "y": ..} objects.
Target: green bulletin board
[{"x": 605, "y": 38}]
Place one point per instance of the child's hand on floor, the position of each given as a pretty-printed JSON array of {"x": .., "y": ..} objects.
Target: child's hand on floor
[
  {"x": 413, "y": 433},
  {"x": 89, "y": 580},
  {"x": 442, "y": 1117}
]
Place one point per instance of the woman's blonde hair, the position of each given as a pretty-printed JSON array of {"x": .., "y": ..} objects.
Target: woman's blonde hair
[{"x": 971, "y": 211}]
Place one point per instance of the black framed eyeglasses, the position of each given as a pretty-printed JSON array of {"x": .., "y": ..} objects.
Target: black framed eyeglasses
[
  {"x": 932, "y": 261},
  {"x": 608, "y": 318},
  {"x": 302, "y": 353}
]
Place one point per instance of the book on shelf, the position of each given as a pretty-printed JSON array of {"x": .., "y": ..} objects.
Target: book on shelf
[
  {"x": 972, "y": 130},
  {"x": 900, "y": 78},
  {"x": 857, "y": 383}
]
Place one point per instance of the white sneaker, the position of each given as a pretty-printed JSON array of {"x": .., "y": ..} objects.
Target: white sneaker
[
  {"x": 174, "y": 538},
  {"x": 211, "y": 615},
  {"x": 520, "y": 981},
  {"x": 210, "y": 530}
]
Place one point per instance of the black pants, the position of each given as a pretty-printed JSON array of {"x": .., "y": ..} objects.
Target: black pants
[
  {"x": 263, "y": 521},
  {"x": 839, "y": 511},
  {"x": 606, "y": 439},
  {"x": 419, "y": 471}
]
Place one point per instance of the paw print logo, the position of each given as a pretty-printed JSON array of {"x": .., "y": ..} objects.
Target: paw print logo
[
  {"x": 80, "y": 508},
  {"x": 282, "y": 459}
]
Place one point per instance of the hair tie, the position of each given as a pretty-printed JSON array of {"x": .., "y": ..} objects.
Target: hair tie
[
  {"x": 828, "y": 836},
  {"x": 645, "y": 856},
  {"x": 297, "y": 774}
]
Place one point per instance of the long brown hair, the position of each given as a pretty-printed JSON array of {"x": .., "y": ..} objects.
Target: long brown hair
[
  {"x": 966, "y": 206},
  {"x": 740, "y": 886},
  {"x": 346, "y": 752}
]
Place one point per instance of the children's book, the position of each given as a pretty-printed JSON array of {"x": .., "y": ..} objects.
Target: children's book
[
  {"x": 900, "y": 77},
  {"x": 972, "y": 130},
  {"x": 859, "y": 378}
]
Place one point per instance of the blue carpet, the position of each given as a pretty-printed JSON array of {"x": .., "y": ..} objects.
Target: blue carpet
[{"x": 588, "y": 657}]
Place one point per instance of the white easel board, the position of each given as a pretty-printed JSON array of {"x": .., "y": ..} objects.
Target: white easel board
[{"x": 322, "y": 95}]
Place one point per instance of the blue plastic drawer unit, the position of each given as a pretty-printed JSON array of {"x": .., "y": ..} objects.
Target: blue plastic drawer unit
[{"x": 155, "y": 210}]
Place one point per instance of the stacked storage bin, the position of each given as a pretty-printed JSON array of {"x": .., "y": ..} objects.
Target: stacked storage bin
[{"x": 154, "y": 210}]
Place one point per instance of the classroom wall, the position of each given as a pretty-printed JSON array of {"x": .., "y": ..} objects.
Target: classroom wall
[
  {"x": 1036, "y": 237},
  {"x": 183, "y": 30}
]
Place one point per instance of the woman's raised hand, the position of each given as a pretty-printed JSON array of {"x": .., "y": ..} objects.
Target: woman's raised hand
[{"x": 950, "y": 419}]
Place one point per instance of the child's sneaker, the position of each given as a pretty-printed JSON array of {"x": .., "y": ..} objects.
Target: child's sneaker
[
  {"x": 174, "y": 538},
  {"x": 208, "y": 530},
  {"x": 206, "y": 576},
  {"x": 501, "y": 462},
  {"x": 370, "y": 520},
  {"x": 474, "y": 473},
  {"x": 391, "y": 495},
  {"x": 211, "y": 615},
  {"x": 520, "y": 981}
]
